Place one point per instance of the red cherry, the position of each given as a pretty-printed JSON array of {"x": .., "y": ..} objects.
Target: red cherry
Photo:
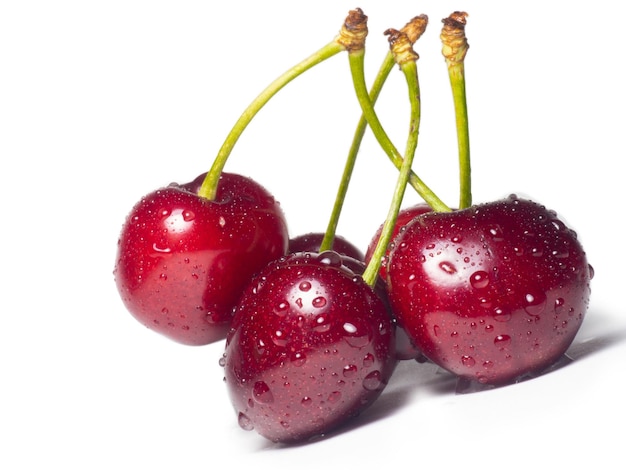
[
  {"x": 311, "y": 242},
  {"x": 311, "y": 346},
  {"x": 404, "y": 217},
  {"x": 491, "y": 293},
  {"x": 183, "y": 260}
]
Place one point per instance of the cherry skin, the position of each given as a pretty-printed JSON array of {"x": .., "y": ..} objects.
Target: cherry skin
[
  {"x": 492, "y": 293},
  {"x": 405, "y": 216},
  {"x": 183, "y": 260},
  {"x": 312, "y": 241},
  {"x": 405, "y": 349},
  {"x": 311, "y": 346}
]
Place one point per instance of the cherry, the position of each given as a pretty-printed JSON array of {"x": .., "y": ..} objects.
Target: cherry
[
  {"x": 183, "y": 260},
  {"x": 311, "y": 346},
  {"x": 404, "y": 217},
  {"x": 313, "y": 241},
  {"x": 491, "y": 293}
]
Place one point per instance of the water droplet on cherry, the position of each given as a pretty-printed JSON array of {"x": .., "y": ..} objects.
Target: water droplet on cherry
[
  {"x": 330, "y": 258},
  {"x": 245, "y": 423},
  {"x": 535, "y": 303},
  {"x": 262, "y": 393},
  {"x": 502, "y": 340},
  {"x": 468, "y": 361},
  {"x": 479, "y": 280},
  {"x": 372, "y": 381},
  {"x": 447, "y": 267},
  {"x": 349, "y": 371}
]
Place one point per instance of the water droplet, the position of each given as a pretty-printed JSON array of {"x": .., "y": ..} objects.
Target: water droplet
[
  {"x": 468, "y": 361},
  {"x": 372, "y": 381},
  {"x": 496, "y": 233},
  {"x": 160, "y": 249},
  {"x": 447, "y": 267},
  {"x": 222, "y": 361},
  {"x": 558, "y": 305},
  {"x": 479, "y": 280},
  {"x": 244, "y": 422},
  {"x": 319, "y": 302},
  {"x": 298, "y": 359},
  {"x": 457, "y": 239},
  {"x": 262, "y": 393},
  {"x": 535, "y": 303},
  {"x": 306, "y": 401},
  {"x": 357, "y": 337},
  {"x": 368, "y": 360},
  {"x": 188, "y": 215},
  {"x": 501, "y": 315},
  {"x": 281, "y": 308},
  {"x": 221, "y": 222},
  {"x": 436, "y": 330},
  {"x": 304, "y": 286},
  {"x": 322, "y": 325},
  {"x": 502, "y": 341},
  {"x": 165, "y": 311},
  {"x": 349, "y": 371},
  {"x": 330, "y": 258},
  {"x": 334, "y": 397},
  {"x": 280, "y": 338}
]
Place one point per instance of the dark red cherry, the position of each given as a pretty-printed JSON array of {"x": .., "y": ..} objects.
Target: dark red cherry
[
  {"x": 491, "y": 293},
  {"x": 311, "y": 242},
  {"x": 311, "y": 346},
  {"x": 183, "y": 260},
  {"x": 404, "y": 217}
]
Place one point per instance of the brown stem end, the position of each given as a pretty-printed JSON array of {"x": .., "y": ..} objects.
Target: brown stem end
[
  {"x": 354, "y": 31},
  {"x": 415, "y": 28},
  {"x": 453, "y": 38},
  {"x": 401, "y": 46}
]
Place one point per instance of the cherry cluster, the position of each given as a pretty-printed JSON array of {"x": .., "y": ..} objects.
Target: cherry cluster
[{"x": 313, "y": 326}]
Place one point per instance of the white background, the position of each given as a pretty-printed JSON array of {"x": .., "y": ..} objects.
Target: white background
[{"x": 104, "y": 101}]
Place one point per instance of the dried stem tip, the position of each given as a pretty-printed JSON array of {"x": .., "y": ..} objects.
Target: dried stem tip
[
  {"x": 401, "y": 46},
  {"x": 455, "y": 44},
  {"x": 354, "y": 31},
  {"x": 415, "y": 28}
]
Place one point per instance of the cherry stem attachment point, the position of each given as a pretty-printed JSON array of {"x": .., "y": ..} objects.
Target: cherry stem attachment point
[
  {"x": 406, "y": 58},
  {"x": 454, "y": 50}
]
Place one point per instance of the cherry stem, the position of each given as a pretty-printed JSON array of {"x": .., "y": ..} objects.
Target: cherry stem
[
  {"x": 414, "y": 30},
  {"x": 356, "y": 58},
  {"x": 342, "y": 42},
  {"x": 406, "y": 58},
  {"x": 454, "y": 50}
]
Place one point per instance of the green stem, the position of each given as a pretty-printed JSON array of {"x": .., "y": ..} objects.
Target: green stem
[
  {"x": 409, "y": 68},
  {"x": 209, "y": 185},
  {"x": 414, "y": 30},
  {"x": 454, "y": 49},
  {"x": 457, "y": 82},
  {"x": 381, "y": 77},
  {"x": 357, "y": 69}
]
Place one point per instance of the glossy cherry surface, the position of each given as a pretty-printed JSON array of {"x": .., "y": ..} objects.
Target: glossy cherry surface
[
  {"x": 183, "y": 260},
  {"x": 312, "y": 241},
  {"x": 404, "y": 217},
  {"x": 493, "y": 292},
  {"x": 311, "y": 346}
]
